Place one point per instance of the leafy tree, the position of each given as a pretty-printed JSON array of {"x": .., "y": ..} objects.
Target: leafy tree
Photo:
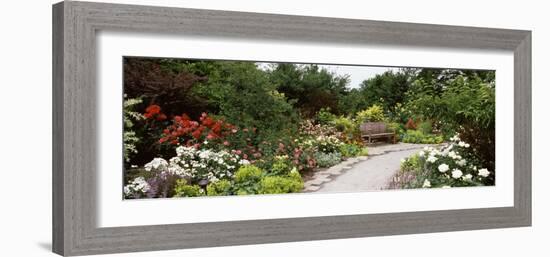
[
  {"x": 243, "y": 94},
  {"x": 352, "y": 101},
  {"x": 464, "y": 104},
  {"x": 387, "y": 89},
  {"x": 310, "y": 86}
]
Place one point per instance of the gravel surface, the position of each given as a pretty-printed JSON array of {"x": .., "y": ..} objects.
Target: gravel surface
[{"x": 372, "y": 174}]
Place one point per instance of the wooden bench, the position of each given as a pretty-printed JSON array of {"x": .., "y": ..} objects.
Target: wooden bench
[{"x": 375, "y": 130}]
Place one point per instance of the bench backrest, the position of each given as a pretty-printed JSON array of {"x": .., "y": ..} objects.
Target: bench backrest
[{"x": 369, "y": 128}]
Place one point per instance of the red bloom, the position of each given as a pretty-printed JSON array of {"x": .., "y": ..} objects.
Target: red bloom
[
  {"x": 217, "y": 127},
  {"x": 153, "y": 109},
  {"x": 197, "y": 134},
  {"x": 226, "y": 143},
  {"x": 207, "y": 122},
  {"x": 161, "y": 117},
  {"x": 203, "y": 116}
]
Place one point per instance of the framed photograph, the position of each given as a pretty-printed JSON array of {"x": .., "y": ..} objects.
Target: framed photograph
[{"x": 183, "y": 128}]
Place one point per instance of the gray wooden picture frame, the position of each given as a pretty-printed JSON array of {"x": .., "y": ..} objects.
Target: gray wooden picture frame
[{"x": 75, "y": 25}]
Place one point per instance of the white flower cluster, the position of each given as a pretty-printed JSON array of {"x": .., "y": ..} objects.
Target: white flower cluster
[
  {"x": 198, "y": 163},
  {"x": 156, "y": 164},
  {"x": 324, "y": 143},
  {"x": 483, "y": 172},
  {"x": 449, "y": 158},
  {"x": 426, "y": 184},
  {"x": 137, "y": 186}
]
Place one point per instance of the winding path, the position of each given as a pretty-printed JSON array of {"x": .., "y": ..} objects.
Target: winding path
[{"x": 371, "y": 174}]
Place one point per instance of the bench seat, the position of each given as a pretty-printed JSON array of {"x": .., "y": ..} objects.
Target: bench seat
[{"x": 371, "y": 130}]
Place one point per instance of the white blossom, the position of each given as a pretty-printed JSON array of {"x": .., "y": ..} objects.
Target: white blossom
[
  {"x": 156, "y": 164},
  {"x": 198, "y": 163},
  {"x": 244, "y": 162},
  {"x": 136, "y": 186},
  {"x": 426, "y": 184},
  {"x": 456, "y": 173},
  {"x": 443, "y": 168},
  {"x": 432, "y": 159},
  {"x": 461, "y": 162},
  {"x": 467, "y": 177},
  {"x": 454, "y": 155},
  {"x": 483, "y": 172}
]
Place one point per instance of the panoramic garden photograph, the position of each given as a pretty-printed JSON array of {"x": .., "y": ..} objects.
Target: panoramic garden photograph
[{"x": 195, "y": 128}]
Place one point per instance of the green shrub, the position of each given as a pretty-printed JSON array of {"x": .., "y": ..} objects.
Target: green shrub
[
  {"x": 281, "y": 184},
  {"x": 343, "y": 124},
  {"x": 247, "y": 179},
  {"x": 372, "y": 114},
  {"x": 417, "y": 137},
  {"x": 324, "y": 116},
  {"x": 220, "y": 187},
  {"x": 348, "y": 127},
  {"x": 425, "y": 127},
  {"x": 327, "y": 159},
  {"x": 280, "y": 166},
  {"x": 248, "y": 173},
  {"x": 396, "y": 127},
  {"x": 182, "y": 189},
  {"x": 411, "y": 163},
  {"x": 353, "y": 150}
]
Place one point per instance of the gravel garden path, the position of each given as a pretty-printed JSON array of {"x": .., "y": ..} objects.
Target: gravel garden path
[{"x": 363, "y": 173}]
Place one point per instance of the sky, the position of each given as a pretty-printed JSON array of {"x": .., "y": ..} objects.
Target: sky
[{"x": 357, "y": 74}]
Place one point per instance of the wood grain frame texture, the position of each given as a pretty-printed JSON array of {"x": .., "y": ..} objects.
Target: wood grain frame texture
[{"x": 74, "y": 130}]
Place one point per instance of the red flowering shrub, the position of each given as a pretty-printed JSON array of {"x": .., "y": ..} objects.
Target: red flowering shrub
[
  {"x": 186, "y": 131},
  {"x": 213, "y": 133},
  {"x": 154, "y": 112}
]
